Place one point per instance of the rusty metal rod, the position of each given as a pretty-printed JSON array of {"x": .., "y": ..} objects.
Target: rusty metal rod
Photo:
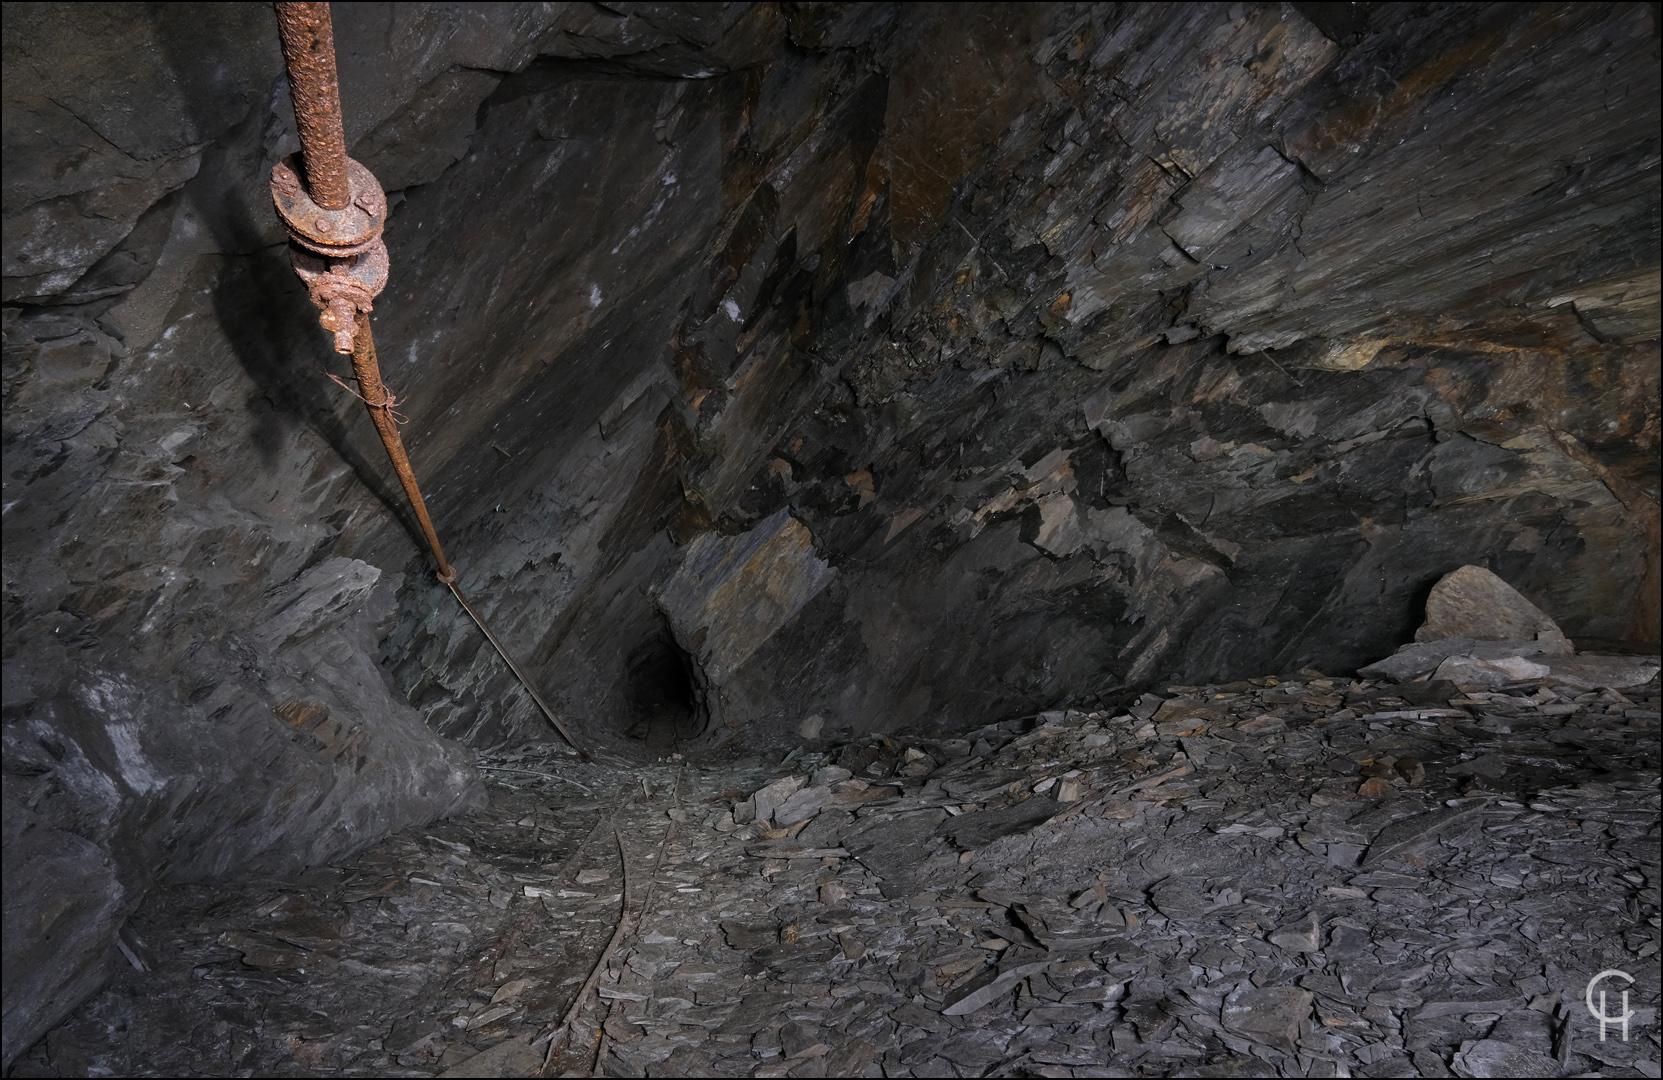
[
  {"x": 309, "y": 55},
  {"x": 582, "y": 754},
  {"x": 367, "y": 369}
]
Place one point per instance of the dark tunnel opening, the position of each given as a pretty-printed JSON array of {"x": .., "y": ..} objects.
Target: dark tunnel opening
[{"x": 665, "y": 706}]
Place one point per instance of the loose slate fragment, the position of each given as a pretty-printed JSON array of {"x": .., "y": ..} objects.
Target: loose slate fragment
[
  {"x": 1190, "y": 713},
  {"x": 1421, "y": 659},
  {"x": 745, "y": 936},
  {"x": 1434, "y": 1009},
  {"x": 1274, "y": 1016},
  {"x": 308, "y": 932},
  {"x": 514, "y": 1057},
  {"x": 1589, "y": 672},
  {"x": 1402, "y": 835},
  {"x": 983, "y": 783},
  {"x": 980, "y": 829},
  {"x": 987, "y": 988},
  {"x": 894, "y": 850},
  {"x": 1178, "y": 900},
  {"x": 1303, "y": 937},
  {"x": 1473, "y": 673},
  {"x": 802, "y": 806},
  {"x": 1493, "y": 1057},
  {"x": 753, "y": 1012},
  {"x": 770, "y": 798}
]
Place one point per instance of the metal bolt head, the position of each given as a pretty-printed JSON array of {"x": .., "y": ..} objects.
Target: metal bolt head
[{"x": 323, "y": 225}]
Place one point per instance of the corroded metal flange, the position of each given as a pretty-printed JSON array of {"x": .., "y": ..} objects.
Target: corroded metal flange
[
  {"x": 336, "y": 234},
  {"x": 341, "y": 288}
]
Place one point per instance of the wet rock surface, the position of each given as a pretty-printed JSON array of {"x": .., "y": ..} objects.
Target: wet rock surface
[{"x": 1302, "y": 876}]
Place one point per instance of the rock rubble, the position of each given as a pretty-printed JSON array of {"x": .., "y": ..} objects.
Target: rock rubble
[{"x": 1301, "y": 876}]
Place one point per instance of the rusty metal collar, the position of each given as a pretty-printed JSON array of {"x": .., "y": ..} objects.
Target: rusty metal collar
[{"x": 335, "y": 234}]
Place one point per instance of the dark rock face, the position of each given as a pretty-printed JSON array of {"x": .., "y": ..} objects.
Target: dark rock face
[{"x": 886, "y": 364}]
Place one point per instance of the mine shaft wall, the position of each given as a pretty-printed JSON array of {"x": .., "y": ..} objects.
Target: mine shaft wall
[{"x": 896, "y": 365}]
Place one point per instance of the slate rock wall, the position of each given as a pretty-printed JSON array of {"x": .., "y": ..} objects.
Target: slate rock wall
[
  {"x": 1094, "y": 346},
  {"x": 1025, "y": 352}
]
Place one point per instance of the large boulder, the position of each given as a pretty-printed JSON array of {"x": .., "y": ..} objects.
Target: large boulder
[{"x": 1472, "y": 602}]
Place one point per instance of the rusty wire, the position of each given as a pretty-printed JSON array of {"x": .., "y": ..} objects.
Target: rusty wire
[{"x": 335, "y": 220}]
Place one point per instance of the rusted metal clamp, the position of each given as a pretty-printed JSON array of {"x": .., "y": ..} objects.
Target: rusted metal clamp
[
  {"x": 353, "y": 266},
  {"x": 342, "y": 288}
]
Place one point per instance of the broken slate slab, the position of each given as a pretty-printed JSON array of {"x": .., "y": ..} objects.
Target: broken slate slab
[
  {"x": 512, "y": 1057},
  {"x": 754, "y": 1011},
  {"x": 1403, "y": 835},
  {"x": 802, "y": 806},
  {"x": 1273, "y": 1015},
  {"x": 1434, "y": 1009},
  {"x": 1422, "y": 658},
  {"x": 1591, "y": 672},
  {"x": 895, "y": 849},
  {"x": 980, "y": 829},
  {"x": 989, "y": 987},
  {"x": 1493, "y": 1057},
  {"x": 1176, "y": 899},
  {"x": 1300, "y": 937},
  {"x": 746, "y": 936},
  {"x": 770, "y": 798},
  {"x": 1474, "y": 673}
]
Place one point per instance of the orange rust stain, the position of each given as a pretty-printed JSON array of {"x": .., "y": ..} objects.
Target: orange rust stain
[
  {"x": 1601, "y": 406},
  {"x": 951, "y": 98},
  {"x": 1490, "y": 49},
  {"x": 861, "y": 481}
]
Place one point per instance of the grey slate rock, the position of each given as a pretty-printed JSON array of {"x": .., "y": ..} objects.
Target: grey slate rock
[
  {"x": 982, "y": 828},
  {"x": 1275, "y": 1016},
  {"x": 1493, "y": 1057},
  {"x": 988, "y": 987},
  {"x": 893, "y": 850},
  {"x": 1421, "y": 659}
]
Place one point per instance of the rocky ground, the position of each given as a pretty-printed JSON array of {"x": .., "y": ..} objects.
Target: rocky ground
[{"x": 1303, "y": 876}]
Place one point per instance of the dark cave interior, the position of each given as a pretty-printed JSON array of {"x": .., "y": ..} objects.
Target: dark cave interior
[{"x": 830, "y": 396}]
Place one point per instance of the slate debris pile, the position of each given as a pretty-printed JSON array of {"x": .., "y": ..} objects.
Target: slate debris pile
[
  {"x": 1302, "y": 876},
  {"x": 403, "y": 960}
]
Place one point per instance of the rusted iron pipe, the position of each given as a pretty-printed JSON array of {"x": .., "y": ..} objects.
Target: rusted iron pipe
[
  {"x": 366, "y": 368},
  {"x": 309, "y": 55},
  {"x": 335, "y": 222}
]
